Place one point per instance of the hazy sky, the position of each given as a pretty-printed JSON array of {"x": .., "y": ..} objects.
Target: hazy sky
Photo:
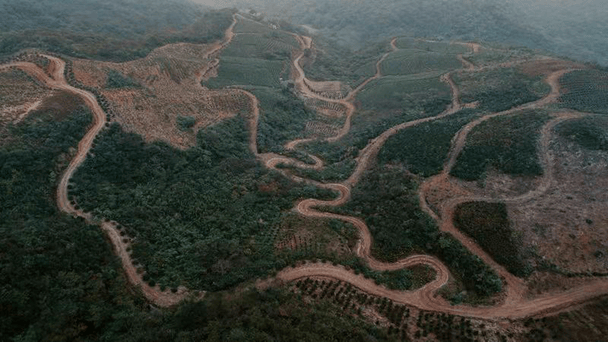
[{"x": 575, "y": 28}]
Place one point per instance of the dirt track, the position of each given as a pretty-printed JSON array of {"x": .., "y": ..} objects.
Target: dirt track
[
  {"x": 513, "y": 307},
  {"x": 57, "y": 81}
]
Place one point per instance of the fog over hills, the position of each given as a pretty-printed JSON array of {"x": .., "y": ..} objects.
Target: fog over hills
[{"x": 574, "y": 29}]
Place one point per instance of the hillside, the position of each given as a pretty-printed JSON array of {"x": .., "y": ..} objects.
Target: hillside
[
  {"x": 117, "y": 30},
  {"x": 267, "y": 185},
  {"x": 573, "y": 29}
]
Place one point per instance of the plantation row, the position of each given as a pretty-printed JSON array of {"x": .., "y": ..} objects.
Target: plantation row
[
  {"x": 248, "y": 71},
  {"x": 354, "y": 302},
  {"x": 336, "y": 95},
  {"x": 396, "y": 317},
  {"x": 407, "y": 62},
  {"x": 446, "y": 327},
  {"x": 323, "y": 106},
  {"x": 586, "y": 91},
  {"x": 430, "y": 46}
]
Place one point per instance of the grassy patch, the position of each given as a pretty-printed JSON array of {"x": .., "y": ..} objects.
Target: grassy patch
[
  {"x": 489, "y": 56},
  {"x": 413, "y": 61},
  {"x": 422, "y": 149},
  {"x": 311, "y": 237},
  {"x": 59, "y": 106},
  {"x": 591, "y": 133},
  {"x": 420, "y": 92},
  {"x": 507, "y": 143},
  {"x": 272, "y": 45},
  {"x": 430, "y": 46},
  {"x": 249, "y": 72},
  {"x": 421, "y": 275},
  {"x": 585, "y": 90},
  {"x": 17, "y": 87},
  {"x": 500, "y": 89},
  {"x": 251, "y": 26},
  {"x": 488, "y": 224}
]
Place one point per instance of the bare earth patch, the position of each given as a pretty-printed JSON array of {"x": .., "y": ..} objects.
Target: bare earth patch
[
  {"x": 547, "y": 66},
  {"x": 19, "y": 94},
  {"x": 500, "y": 185},
  {"x": 170, "y": 87},
  {"x": 567, "y": 225},
  {"x": 328, "y": 89}
]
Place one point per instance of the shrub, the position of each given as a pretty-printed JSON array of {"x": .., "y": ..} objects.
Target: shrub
[
  {"x": 117, "y": 80},
  {"x": 185, "y": 123}
]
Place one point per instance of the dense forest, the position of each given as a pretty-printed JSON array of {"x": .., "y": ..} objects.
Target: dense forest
[
  {"x": 507, "y": 143},
  {"x": 60, "y": 280},
  {"x": 204, "y": 217},
  {"x": 106, "y": 30},
  {"x": 488, "y": 224}
]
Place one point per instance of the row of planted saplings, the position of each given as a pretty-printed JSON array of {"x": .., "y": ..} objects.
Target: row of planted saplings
[
  {"x": 101, "y": 99},
  {"x": 354, "y": 301},
  {"x": 327, "y": 94},
  {"x": 446, "y": 327},
  {"x": 544, "y": 328}
]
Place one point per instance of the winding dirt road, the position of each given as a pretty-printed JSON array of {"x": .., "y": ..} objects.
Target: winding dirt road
[
  {"x": 58, "y": 81},
  {"x": 515, "y": 306}
]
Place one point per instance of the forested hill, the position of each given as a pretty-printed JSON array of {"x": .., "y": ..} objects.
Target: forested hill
[
  {"x": 116, "y": 30},
  {"x": 570, "y": 28}
]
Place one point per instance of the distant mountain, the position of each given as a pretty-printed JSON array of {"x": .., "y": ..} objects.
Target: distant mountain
[
  {"x": 115, "y": 30},
  {"x": 573, "y": 28}
]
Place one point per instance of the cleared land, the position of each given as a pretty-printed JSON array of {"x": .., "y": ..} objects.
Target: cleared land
[
  {"x": 169, "y": 89},
  {"x": 513, "y": 306},
  {"x": 19, "y": 94}
]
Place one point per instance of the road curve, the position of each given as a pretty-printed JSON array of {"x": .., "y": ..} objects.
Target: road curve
[
  {"x": 425, "y": 298},
  {"x": 120, "y": 244},
  {"x": 514, "y": 306}
]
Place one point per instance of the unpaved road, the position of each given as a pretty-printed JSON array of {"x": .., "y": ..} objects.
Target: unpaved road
[
  {"x": 515, "y": 306},
  {"x": 300, "y": 81},
  {"x": 57, "y": 81}
]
